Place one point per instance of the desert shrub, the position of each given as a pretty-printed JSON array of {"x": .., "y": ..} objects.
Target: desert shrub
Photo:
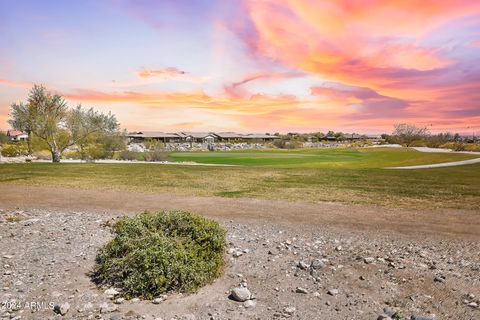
[
  {"x": 287, "y": 144},
  {"x": 456, "y": 146},
  {"x": 154, "y": 144},
  {"x": 472, "y": 147},
  {"x": 14, "y": 149},
  {"x": 418, "y": 143},
  {"x": 76, "y": 155},
  {"x": 155, "y": 253},
  {"x": 95, "y": 151},
  {"x": 156, "y": 155},
  {"x": 131, "y": 155}
]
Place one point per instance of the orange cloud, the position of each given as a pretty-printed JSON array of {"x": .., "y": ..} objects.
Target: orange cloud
[
  {"x": 254, "y": 104},
  {"x": 356, "y": 42},
  {"x": 11, "y": 83}
]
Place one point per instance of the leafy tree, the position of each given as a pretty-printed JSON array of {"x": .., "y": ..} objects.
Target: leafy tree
[
  {"x": 3, "y": 138},
  {"x": 406, "y": 134},
  {"x": 48, "y": 117}
]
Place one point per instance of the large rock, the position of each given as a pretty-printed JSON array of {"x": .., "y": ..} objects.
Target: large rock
[
  {"x": 61, "y": 309},
  {"x": 241, "y": 294}
]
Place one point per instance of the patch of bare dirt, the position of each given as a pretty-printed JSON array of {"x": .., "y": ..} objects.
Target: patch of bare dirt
[{"x": 297, "y": 260}]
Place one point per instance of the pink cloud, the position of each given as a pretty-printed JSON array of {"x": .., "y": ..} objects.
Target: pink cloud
[
  {"x": 11, "y": 83},
  {"x": 170, "y": 72}
]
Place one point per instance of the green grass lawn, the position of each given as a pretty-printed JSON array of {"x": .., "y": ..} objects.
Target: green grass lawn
[
  {"x": 341, "y": 175},
  {"x": 321, "y": 158}
]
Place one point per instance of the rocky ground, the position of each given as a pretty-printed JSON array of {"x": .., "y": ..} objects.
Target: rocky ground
[{"x": 277, "y": 271}]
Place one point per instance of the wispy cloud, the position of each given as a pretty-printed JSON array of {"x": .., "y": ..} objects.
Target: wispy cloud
[
  {"x": 11, "y": 83},
  {"x": 170, "y": 72}
]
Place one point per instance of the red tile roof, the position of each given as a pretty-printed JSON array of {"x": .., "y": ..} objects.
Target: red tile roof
[{"x": 14, "y": 133}]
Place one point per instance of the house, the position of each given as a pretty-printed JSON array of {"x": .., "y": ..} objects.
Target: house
[
  {"x": 16, "y": 136},
  {"x": 199, "y": 137},
  {"x": 229, "y": 136},
  {"x": 329, "y": 138},
  {"x": 351, "y": 136},
  {"x": 260, "y": 137},
  {"x": 154, "y": 135}
]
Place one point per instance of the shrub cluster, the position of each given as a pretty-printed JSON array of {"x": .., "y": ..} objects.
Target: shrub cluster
[
  {"x": 156, "y": 155},
  {"x": 14, "y": 149},
  {"x": 130, "y": 155},
  {"x": 155, "y": 253}
]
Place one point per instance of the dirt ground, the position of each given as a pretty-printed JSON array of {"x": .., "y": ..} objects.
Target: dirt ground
[
  {"x": 299, "y": 260},
  {"x": 437, "y": 222}
]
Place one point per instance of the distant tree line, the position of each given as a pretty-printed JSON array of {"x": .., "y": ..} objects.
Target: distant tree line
[{"x": 410, "y": 135}]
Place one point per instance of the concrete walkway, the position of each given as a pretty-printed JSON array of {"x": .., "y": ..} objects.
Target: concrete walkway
[{"x": 440, "y": 165}]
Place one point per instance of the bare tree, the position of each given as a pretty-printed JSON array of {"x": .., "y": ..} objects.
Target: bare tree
[
  {"x": 406, "y": 133},
  {"x": 48, "y": 117}
]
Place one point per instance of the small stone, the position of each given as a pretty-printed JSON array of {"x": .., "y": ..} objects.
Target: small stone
[
  {"x": 111, "y": 293},
  {"x": 415, "y": 317},
  {"x": 301, "y": 290},
  {"x": 339, "y": 248},
  {"x": 29, "y": 222},
  {"x": 303, "y": 265},
  {"x": 249, "y": 304},
  {"x": 317, "y": 264},
  {"x": 440, "y": 279},
  {"x": 157, "y": 300},
  {"x": 473, "y": 304},
  {"x": 384, "y": 317},
  {"x": 119, "y": 300},
  {"x": 106, "y": 308},
  {"x": 240, "y": 294},
  {"x": 369, "y": 260},
  {"x": 61, "y": 309},
  {"x": 289, "y": 310},
  {"x": 332, "y": 292},
  {"x": 188, "y": 317}
]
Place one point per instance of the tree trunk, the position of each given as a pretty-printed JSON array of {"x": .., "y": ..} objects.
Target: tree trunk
[
  {"x": 29, "y": 142},
  {"x": 55, "y": 156}
]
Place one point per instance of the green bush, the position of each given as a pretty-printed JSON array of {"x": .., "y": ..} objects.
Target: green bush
[
  {"x": 131, "y": 155},
  {"x": 14, "y": 149},
  {"x": 287, "y": 144},
  {"x": 418, "y": 143},
  {"x": 156, "y": 155},
  {"x": 76, "y": 155},
  {"x": 155, "y": 253}
]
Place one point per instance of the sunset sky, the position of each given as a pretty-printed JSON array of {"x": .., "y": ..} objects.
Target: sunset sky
[{"x": 250, "y": 65}]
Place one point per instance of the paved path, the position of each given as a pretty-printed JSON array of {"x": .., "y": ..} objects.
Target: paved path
[
  {"x": 440, "y": 165},
  {"x": 348, "y": 217}
]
